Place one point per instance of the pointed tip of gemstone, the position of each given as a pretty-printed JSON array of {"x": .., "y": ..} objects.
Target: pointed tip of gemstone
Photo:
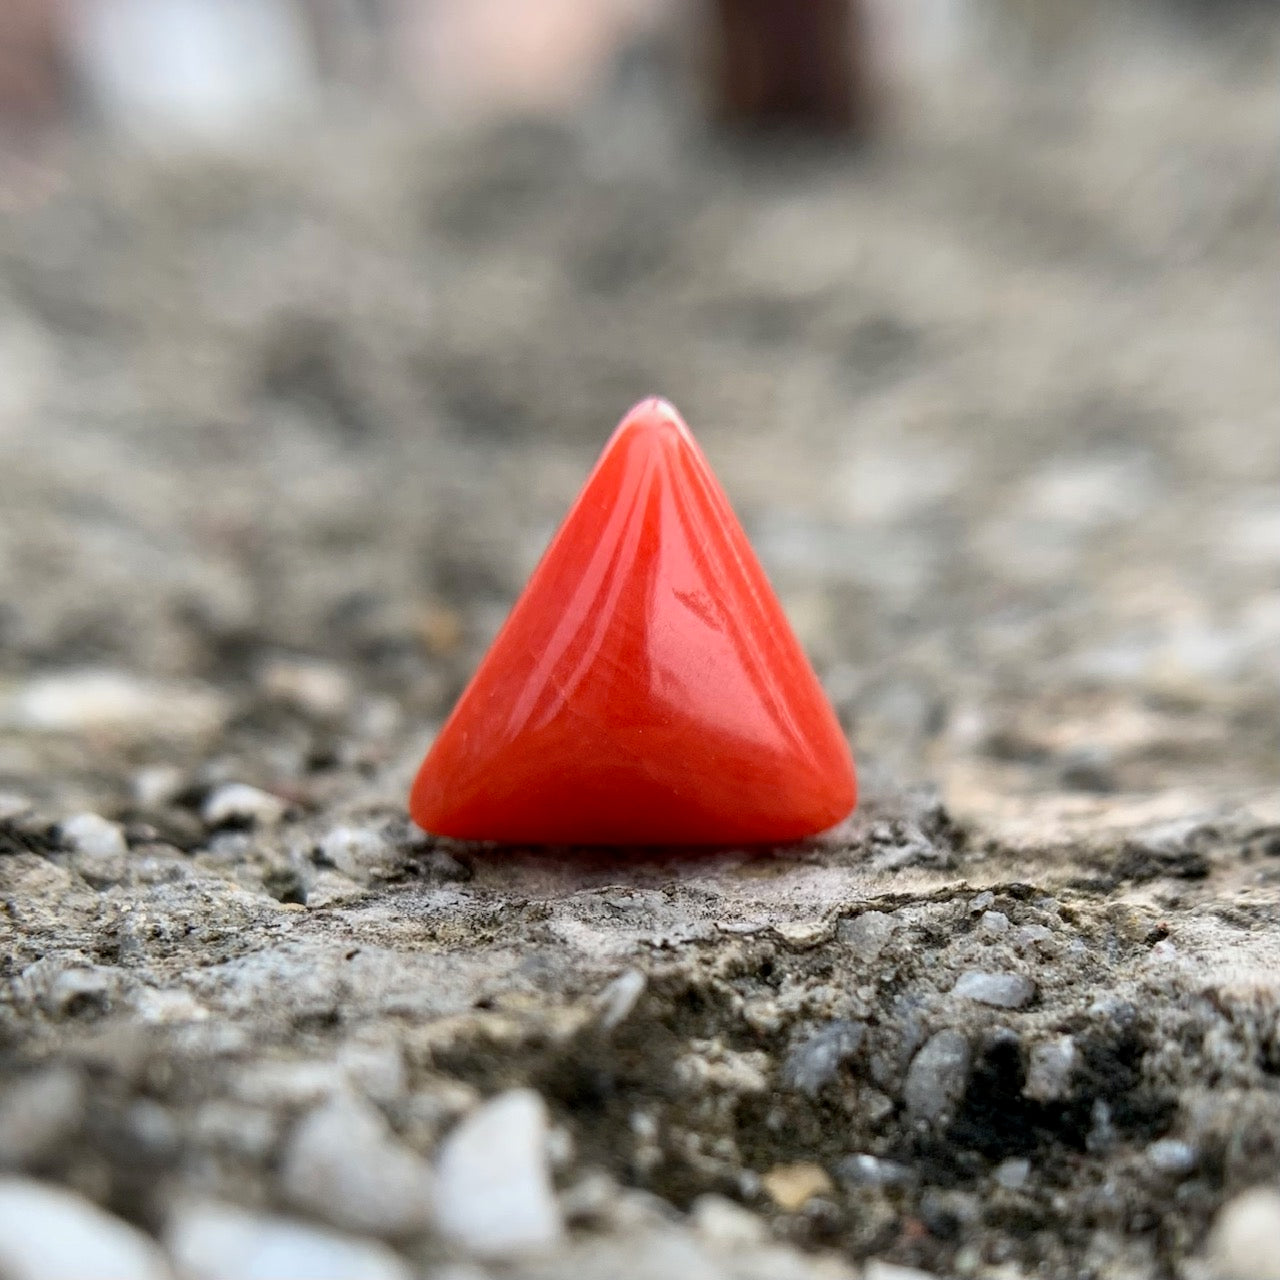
[
  {"x": 654, "y": 416},
  {"x": 654, "y": 411},
  {"x": 647, "y": 688}
]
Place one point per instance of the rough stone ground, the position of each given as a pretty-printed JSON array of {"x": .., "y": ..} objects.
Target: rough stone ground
[{"x": 1000, "y": 406}]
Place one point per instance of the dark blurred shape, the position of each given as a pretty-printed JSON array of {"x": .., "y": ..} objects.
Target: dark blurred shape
[
  {"x": 33, "y": 73},
  {"x": 786, "y": 63},
  {"x": 352, "y": 40}
]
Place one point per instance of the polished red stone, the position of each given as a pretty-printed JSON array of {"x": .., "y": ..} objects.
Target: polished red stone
[{"x": 647, "y": 688}]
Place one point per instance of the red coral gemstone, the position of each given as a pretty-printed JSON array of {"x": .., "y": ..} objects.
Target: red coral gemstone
[{"x": 646, "y": 688}]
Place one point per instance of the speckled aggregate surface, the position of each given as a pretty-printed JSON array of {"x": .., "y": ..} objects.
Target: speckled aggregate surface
[{"x": 999, "y": 404}]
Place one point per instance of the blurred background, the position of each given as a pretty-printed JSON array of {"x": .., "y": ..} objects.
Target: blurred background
[{"x": 315, "y": 313}]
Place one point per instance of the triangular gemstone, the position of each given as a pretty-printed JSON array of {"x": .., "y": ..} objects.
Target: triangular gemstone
[{"x": 646, "y": 688}]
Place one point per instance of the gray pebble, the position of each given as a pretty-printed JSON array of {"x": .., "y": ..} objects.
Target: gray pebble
[
  {"x": 1003, "y": 990},
  {"x": 39, "y": 1112},
  {"x": 286, "y": 882},
  {"x": 230, "y": 846},
  {"x": 438, "y": 864},
  {"x": 1050, "y": 1067},
  {"x": 937, "y": 1077},
  {"x": 288, "y": 1084},
  {"x": 816, "y": 1060},
  {"x": 875, "y": 1106},
  {"x": 994, "y": 922},
  {"x": 151, "y": 1129},
  {"x": 375, "y": 1068},
  {"x": 867, "y": 933},
  {"x": 914, "y": 851},
  {"x": 1032, "y": 935},
  {"x": 1102, "y": 1135},
  {"x": 948, "y": 1213},
  {"x": 234, "y": 1128},
  {"x": 1090, "y": 768}
]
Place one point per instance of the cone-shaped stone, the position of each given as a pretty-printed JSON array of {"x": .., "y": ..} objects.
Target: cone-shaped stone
[{"x": 647, "y": 688}]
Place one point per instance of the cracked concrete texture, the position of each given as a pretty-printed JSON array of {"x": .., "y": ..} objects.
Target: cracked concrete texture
[{"x": 998, "y": 408}]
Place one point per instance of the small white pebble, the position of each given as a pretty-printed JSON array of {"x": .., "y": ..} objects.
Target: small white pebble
[
  {"x": 95, "y": 700},
  {"x": 1050, "y": 1068},
  {"x": 994, "y": 922},
  {"x": 644, "y": 1126},
  {"x": 864, "y": 1170},
  {"x": 157, "y": 785},
  {"x": 983, "y": 902},
  {"x": 171, "y": 1006},
  {"x": 1032, "y": 935},
  {"x": 238, "y": 802},
  {"x": 1012, "y": 1174},
  {"x": 83, "y": 986},
  {"x": 874, "y": 1269},
  {"x": 619, "y": 998},
  {"x": 219, "y": 1242},
  {"x": 560, "y": 1147},
  {"x": 1163, "y": 951},
  {"x": 1242, "y": 1245},
  {"x": 93, "y": 836},
  {"x": 343, "y": 1163},
  {"x": 376, "y": 1069},
  {"x": 1102, "y": 1135},
  {"x": 318, "y": 688},
  {"x": 358, "y": 852},
  {"x": 590, "y": 1198},
  {"x": 47, "y": 1233},
  {"x": 937, "y": 1076},
  {"x": 1002, "y": 990},
  {"x": 1171, "y": 1155},
  {"x": 867, "y": 933},
  {"x": 727, "y": 1225},
  {"x": 494, "y": 1195},
  {"x": 378, "y": 718},
  {"x": 12, "y": 804}
]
